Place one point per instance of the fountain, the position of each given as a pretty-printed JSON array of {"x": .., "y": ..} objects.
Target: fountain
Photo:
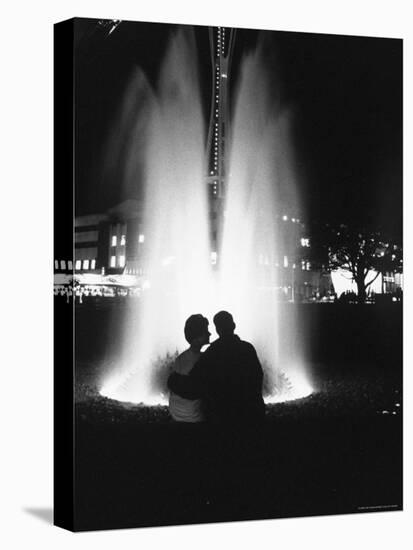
[{"x": 180, "y": 277}]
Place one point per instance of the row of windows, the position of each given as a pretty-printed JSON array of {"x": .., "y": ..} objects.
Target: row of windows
[
  {"x": 117, "y": 261},
  {"x": 61, "y": 265},
  {"x": 264, "y": 260},
  {"x": 122, "y": 240},
  {"x": 305, "y": 264},
  {"x": 64, "y": 265},
  {"x": 135, "y": 271}
]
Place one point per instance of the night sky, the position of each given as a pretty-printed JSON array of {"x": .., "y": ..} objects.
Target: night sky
[{"x": 345, "y": 93}]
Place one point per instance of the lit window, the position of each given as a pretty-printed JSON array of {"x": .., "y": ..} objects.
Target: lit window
[
  {"x": 123, "y": 240},
  {"x": 303, "y": 264},
  {"x": 93, "y": 264},
  {"x": 62, "y": 264},
  {"x": 113, "y": 261},
  {"x": 305, "y": 242},
  {"x": 121, "y": 261},
  {"x": 78, "y": 264},
  {"x": 114, "y": 240},
  {"x": 56, "y": 264},
  {"x": 308, "y": 266},
  {"x": 141, "y": 238},
  {"x": 70, "y": 264},
  {"x": 85, "y": 264},
  {"x": 285, "y": 261}
]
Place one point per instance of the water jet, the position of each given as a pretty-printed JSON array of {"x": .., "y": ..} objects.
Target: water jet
[{"x": 253, "y": 184}]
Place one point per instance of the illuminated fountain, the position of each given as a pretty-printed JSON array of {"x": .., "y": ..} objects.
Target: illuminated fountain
[
  {"x": 176, "y": 221},
  {"x": 261, "y": 186}
]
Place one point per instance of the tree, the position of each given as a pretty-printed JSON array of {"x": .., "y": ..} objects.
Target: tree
[{"x": 364, "y": 253}]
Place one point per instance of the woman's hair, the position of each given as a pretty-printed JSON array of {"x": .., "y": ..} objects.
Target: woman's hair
[{"x": 195, "y": 326}]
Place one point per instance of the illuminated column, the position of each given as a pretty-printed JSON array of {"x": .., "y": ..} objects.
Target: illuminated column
[{"x": 221, "y": 44}]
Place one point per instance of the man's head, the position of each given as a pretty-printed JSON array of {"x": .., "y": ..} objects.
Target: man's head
[
  {"x": 196, "y": 330},
  {"x": 224, "y": 323}
]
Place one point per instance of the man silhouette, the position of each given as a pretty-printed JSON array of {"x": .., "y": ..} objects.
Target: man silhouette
[{"x": 227, "y": 378}]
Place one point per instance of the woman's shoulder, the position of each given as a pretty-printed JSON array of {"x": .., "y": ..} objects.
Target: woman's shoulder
[{"x": 185, "y": 361}]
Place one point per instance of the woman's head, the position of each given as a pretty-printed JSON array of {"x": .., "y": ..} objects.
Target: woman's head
[{"x": 196, "y": 329}]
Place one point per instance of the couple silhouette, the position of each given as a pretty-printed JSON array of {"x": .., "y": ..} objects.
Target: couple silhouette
[{"x": 223, "y": 385}]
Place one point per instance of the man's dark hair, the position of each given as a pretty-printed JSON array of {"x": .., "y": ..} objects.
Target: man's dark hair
[
  {"x": 224, "y": 323},
  {"x": 195, "y": 326}
]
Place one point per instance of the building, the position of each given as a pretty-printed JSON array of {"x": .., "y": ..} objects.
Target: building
[
  {"x": 110, "y": 245},
  {"x": 107, "y": 243}
]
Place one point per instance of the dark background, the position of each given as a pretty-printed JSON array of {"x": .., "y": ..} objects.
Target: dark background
[{"x": 345, "y": 93}]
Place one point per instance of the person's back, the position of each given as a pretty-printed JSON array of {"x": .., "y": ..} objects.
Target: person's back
[
  {"x": 233, "y": 382},
  {"x": 184, "y": 409},
  {"x": 180, "y": 408}
]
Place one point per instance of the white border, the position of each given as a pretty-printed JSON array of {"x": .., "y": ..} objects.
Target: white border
[{"x": 26, "y": 174}]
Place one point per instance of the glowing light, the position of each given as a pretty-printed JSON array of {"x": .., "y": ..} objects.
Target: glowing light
[
  {"x": 176, "y": 220},
  {"x": 168, "y": 260},
  {"x": 285, "y": 218},
  {"x": 298, "y": 387},
  {"x": 141, "y": 238},
  {"x": 343, "y": 282}
]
